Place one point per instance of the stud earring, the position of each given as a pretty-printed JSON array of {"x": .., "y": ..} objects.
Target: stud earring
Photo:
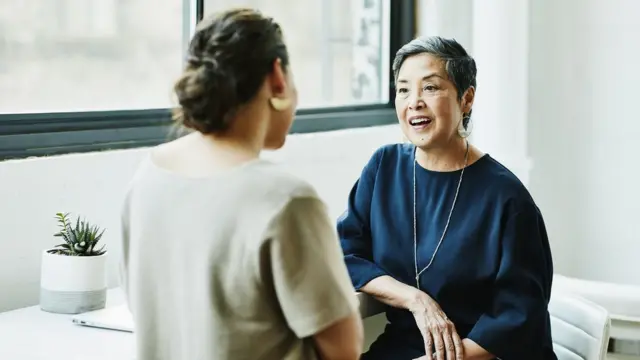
[{"x": 279, "y": 104}]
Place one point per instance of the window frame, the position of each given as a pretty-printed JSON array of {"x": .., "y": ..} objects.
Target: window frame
[{"x": 47, "y": 134}]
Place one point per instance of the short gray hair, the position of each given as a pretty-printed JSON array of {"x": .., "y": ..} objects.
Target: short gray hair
[{"x": 460, "y": 66}]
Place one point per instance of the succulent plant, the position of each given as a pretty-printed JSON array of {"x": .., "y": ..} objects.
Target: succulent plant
[{"x": 79, "y": 240}]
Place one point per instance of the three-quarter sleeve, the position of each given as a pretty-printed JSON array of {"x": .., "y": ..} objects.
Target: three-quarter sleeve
[
  {"x": 354, "y": 228},
  {"x": 517, "y": 323}
]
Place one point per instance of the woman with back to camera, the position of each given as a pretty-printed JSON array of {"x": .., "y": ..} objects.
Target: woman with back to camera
[
  {"x": 445, "y": 235},
  {"x": 225, "y": 256}
]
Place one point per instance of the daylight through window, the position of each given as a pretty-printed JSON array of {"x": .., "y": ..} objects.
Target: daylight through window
[{"x": 97, "y": 55}]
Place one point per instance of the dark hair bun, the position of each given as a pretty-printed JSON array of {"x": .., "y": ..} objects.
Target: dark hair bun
[
  {"x": 204, "y": 93},
  {"x": 229, "y": 57}
]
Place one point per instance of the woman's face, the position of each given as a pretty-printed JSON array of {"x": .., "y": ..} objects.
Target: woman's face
[{"x": 427, "y": 103}]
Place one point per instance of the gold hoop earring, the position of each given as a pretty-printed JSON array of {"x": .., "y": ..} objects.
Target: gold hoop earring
[{"x": 279, "y": 104}]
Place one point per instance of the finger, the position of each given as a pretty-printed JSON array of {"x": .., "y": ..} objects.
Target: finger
[
  {"x": 457, "y": 343},
  {"x": 447, "y": 329},
  {"x": 449, "y": 348},
  {"x": 428, "y": 345},
  {"x": 438, "y": 343},
  {"x": 441, "y": 338},
  {"x": 422, "y": 322}
]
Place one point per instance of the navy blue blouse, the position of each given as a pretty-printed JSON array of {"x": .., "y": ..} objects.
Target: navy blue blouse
[{"x": 492, "y": 274}]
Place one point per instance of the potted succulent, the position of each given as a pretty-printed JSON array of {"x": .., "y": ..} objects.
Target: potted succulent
[{"x": 73, "y": 277}]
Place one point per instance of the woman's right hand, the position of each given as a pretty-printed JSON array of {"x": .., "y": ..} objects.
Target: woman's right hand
[{"x": 438, "y": 332}]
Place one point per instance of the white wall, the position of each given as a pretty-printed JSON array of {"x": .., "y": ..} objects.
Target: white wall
[{"x": 580, "y": 125}]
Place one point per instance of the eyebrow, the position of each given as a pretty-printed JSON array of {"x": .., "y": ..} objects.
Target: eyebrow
[{"x": 426, "y": 77}]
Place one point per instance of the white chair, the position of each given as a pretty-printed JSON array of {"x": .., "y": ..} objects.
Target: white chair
[
  {"x": 579, "y": 328},
  {"x": 621, "y": 300},
  {"x": 369, "y": 306}
]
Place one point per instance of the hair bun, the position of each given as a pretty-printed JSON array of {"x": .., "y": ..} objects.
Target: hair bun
[
  {"x": 203, "y": 81},
  {"x": 200, "y": 61}
]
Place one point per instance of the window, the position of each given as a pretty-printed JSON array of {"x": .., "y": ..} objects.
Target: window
[
  {"x": 96, "y": 75},
  {"x": 336, "y": 47},
  {"x": 95, "y": 55}
]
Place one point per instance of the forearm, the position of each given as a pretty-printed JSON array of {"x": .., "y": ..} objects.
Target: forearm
[
  {"x": 392, "y": 292},
  {"x": 473, "y": 351}
]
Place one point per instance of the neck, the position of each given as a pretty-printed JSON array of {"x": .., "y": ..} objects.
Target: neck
[
  {"x": 234, "y": 147},
  {"x": 246, "y": 135},
  {"x": 447, "y": 158}
]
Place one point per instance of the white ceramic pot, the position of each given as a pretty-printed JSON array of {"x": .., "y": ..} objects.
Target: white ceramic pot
[{"x": 73, "y": 284}]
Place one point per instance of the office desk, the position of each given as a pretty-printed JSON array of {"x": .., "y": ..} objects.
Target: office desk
[{"x": 32, "y": 334}]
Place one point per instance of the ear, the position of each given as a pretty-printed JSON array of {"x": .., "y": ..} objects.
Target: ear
[
  {"x": 467, "y": 100},
  {"x": 277, "y": 79}
]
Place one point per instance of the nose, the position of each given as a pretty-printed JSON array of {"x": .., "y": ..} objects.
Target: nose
[{"x": 415, "y": 102}]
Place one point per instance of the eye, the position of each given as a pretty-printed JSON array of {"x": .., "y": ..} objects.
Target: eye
[
  {"x": 430, "y": 88},
  {"x": 402, "y": 91}
]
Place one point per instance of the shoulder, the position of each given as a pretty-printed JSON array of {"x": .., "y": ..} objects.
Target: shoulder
[
  {"x": 279, "y": 194},
  {"x": 277, "y": 200},
  {"x": 500, "y": 183},
  {"x": 390, "y": 154},
  {"x": 139, "y": 181},
  {"x": 393, "y": 151},
  {"x": 288, "y": 201},
  {"x": 276, "y": 182}
]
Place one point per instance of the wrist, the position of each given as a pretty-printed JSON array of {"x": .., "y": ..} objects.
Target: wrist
[{"x": 415, "y": 300}]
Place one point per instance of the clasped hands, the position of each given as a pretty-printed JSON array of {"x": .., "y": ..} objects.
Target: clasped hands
[{"x": 437, "y": 330}]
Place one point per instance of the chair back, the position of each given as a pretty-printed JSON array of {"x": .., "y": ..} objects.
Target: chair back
[{"x": 579, "y": 328}]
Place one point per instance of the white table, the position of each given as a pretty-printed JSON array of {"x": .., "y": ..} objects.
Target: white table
[{"x": 33, "y": 334}]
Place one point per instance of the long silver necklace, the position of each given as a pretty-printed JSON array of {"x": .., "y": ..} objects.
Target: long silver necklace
[{"x": 444, "y": 232}]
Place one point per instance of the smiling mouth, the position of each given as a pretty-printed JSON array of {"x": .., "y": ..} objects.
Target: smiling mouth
[{"x": 420, "y": 122}]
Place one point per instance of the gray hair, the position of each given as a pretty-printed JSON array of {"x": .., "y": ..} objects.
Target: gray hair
[{"x": 460, "y": 66}]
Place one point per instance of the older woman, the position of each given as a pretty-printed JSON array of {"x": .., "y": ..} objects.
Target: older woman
[{"x": 445, "y": 235}]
